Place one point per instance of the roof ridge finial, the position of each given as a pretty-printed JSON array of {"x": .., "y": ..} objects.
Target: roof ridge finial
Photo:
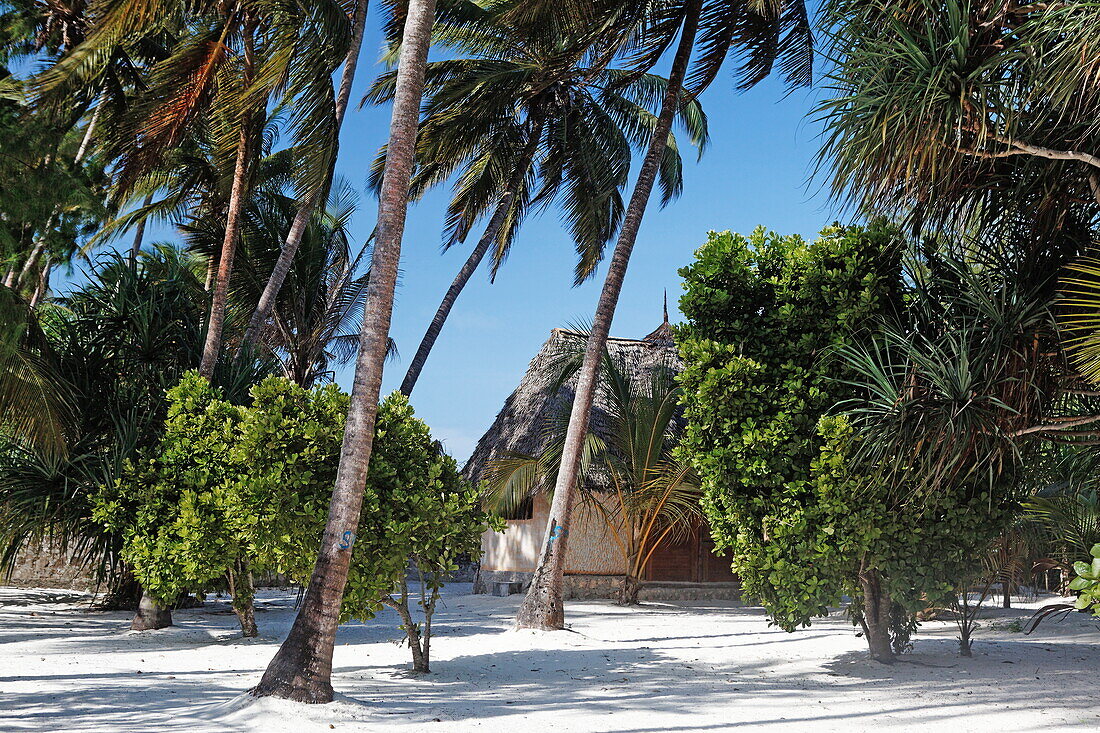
[{"x": 664, "y": 333}]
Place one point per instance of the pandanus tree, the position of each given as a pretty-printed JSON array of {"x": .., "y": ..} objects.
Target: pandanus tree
[
  {"x": 227, "y": 63},
  {"x": 529, "y": 116},
  {"x": 36, "y": 409},
  {"x": 630, "y": 476},
  {"x": 946, "y": 111},
  {"x": 761, "y": 34},
  {"x": 100, "y": 361}
]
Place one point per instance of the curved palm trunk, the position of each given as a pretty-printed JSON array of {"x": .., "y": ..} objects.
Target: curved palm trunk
[
  {"x": 36, "y": 253},
  {"x": 86, "y": 141},
  {"x": 542, "y": 607},
  {"x": 215, "y": 324},
  {"x": 523, "y": 165},
  {"x": 151, "y": 614},
  {"x": 40, "y": 246},
  {"x": 302, "y": 669},
  {"x": 44, "y": 285},
  {"x": 309, "y": 205},
  {"x": 139, "y": 233}
]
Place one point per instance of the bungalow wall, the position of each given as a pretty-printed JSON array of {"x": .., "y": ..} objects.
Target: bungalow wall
[{"x": 593, "y": 563}]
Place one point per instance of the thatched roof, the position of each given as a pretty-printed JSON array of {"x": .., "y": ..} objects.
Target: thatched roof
[{"x": 521, "y": 426}]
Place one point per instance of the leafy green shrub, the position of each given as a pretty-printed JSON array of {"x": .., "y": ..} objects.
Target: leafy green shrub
[
  {"x": 805, "y": 522},
  {"x": 235, "y": 489},
  {"x": 1087, "y": 582}
]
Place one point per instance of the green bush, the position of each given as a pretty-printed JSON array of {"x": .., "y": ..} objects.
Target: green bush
[
  {"x": 1087, "y": 582},
  {"x": 804, "y": 522},
  {"x": 232, "y": 490}
]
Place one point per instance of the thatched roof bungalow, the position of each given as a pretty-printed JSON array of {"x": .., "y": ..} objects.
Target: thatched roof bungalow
[{"x": 684, "y": 569}]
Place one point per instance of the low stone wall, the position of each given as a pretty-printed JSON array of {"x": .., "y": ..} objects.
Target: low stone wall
[
  {"x": 47, "y": 565},
  {"x": 670, "y": 591},
  {"x": 593, "y": 587}
]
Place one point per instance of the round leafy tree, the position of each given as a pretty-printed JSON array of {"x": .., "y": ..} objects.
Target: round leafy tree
[
  {"x": 805, "y": 522},
  {"x": 235, "y": 489}
]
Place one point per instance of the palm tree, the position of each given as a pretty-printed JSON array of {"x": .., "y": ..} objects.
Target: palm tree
[
  {"x": 1070, "y": 518},
  {"x": 102, "y": 359},
  {"x": 192, "y": 188},
  {"x": 302, "y": 668},
  {"x": 763, "y": 33},
  {"x": 227, "y": 63},
  {"x": 630, "y": 476},
  {"x": 531, "y": 116},
  {"x": 77, "y": 85},
  {"x": 51, "y": 204},
  {"x": 316, "y": 318},
  {"x": 312, "y": 198},
  {"x": 943, "y": 111}
]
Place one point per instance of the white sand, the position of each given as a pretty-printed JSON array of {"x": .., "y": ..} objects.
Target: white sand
[{"x": 670, "y": 666}]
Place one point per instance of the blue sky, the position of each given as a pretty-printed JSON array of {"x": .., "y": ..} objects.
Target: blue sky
[{"x": 756, "y": 171}]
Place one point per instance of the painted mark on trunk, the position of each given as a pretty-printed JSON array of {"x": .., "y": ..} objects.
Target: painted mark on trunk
[
  {"x": 558, "y": 531},
  {"x": 346, "y": 540}
]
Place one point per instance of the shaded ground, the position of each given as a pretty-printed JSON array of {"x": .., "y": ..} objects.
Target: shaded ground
[{"x": 708, "y": 666}]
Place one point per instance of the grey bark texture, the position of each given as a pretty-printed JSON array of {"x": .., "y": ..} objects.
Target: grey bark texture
[
  {"x": 302, "y": 668},
  {"x": 151, "y": 614},
  {"x": 542, "y": 607}
]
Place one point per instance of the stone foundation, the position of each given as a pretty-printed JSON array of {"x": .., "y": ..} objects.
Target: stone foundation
[
  {"x": 46, "y": 565},
  {"x": 592, "y": 587}
]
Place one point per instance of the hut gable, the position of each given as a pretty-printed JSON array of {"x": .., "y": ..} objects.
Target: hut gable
[{"x": 522, "y": 424}]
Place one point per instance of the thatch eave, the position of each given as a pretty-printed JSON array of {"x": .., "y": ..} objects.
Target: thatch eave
[{"x": 522, "y": 424}]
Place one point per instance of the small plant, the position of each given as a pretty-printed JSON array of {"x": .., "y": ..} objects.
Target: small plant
[
  {"x": 1087, "y": 583},
  {"x": 1012, "y": 626},
  {"x": 1087, "y": 586},
  {"x": 966, "y": 616}
]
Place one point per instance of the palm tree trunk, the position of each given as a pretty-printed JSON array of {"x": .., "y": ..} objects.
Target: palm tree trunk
[
  {"x": 211, "y": 271},
  {"x": 40, "y": 245},
  {"x": 11, "y": 280},
  {"x": 542, "y": 607},
  {"x": 139, "y": 233},
  {"x": 86, "y": 141},
  {"x": 36, "y": 252},
  {"x": 302, "y": 668},
  {"x": 311, "y": 202},
  {"x": 44, "y": 284},
  {"x": 519, "y": 173},
  {"x": 219, "y": 301},
  {"x": 237, "y": 195}
]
